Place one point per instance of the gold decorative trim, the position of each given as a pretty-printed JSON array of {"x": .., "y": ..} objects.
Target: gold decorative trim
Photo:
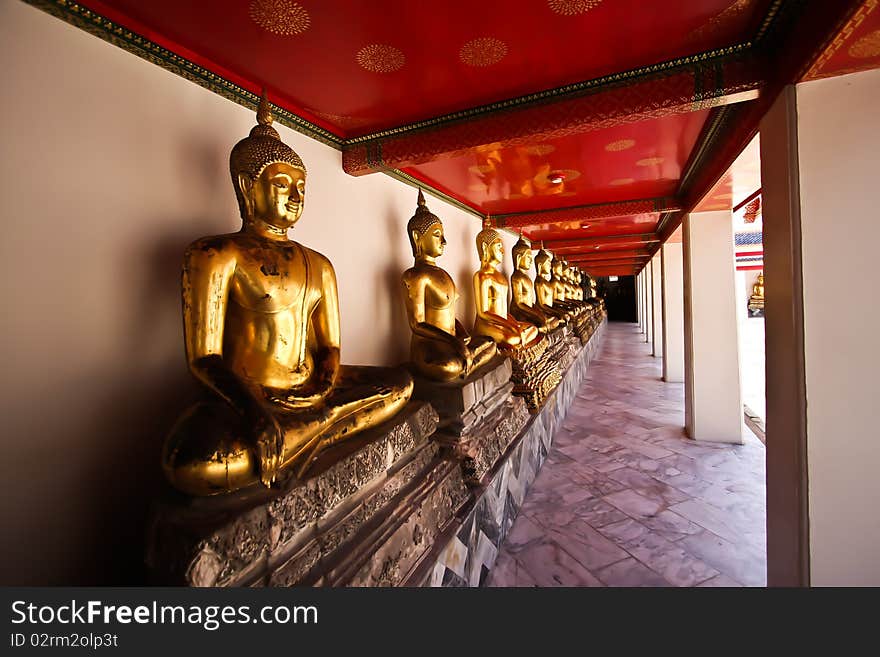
[
  {"x": 404, "y": 177},
  {"x": 552, "y": 94},
  {"x": 380, "y": 58},
  {"x": 620, "y": 182},
  {"x": 842, "y": 37},
  {"x": 483, "y": 52},
  {"x": 281, "y": 17},
  {"x": 106, "y": 30}
]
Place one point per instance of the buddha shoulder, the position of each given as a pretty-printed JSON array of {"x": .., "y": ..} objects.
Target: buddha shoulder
[{"x": 241, "y": 248}]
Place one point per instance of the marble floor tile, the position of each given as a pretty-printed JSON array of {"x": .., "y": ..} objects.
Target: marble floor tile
[
  {"x": 625, "y": 498},
  {"x": 549, "y": 565},
  {"x": 738, "y": 561},
  {"x": 630, "y": 572}
]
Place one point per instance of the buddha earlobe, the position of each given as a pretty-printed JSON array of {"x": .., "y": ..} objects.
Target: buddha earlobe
[{"x": 245, "y": 185}]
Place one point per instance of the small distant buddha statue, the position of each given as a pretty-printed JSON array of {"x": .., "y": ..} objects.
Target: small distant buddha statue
[
  {"x": 441, "y": 348},
  {"x": 561, "y": 290},
  {"x": 756, "y": 301},
  {"x": 545, "y": 288},
  {"x": 261, "y": 326},
  {"x": 490, "y": 294},
  {"x": 523, "y": 298}
]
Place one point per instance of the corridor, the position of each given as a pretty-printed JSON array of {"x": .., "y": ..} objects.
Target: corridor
[{"x": 626, "y": 499}]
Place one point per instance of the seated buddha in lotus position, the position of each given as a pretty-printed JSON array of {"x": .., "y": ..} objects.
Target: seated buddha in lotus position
[
  {"x": 441, "y": 348},
  {"x": 490, "y": 295},
  {"x": 561, "y": 290},
  {"x": 523, "y": 299},
  {"x": 545, "y": 288},
  {"x": 261, "y": 326}
]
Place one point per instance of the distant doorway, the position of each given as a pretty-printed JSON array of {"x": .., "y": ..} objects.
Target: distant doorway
[{"x": 620, "y": 297}]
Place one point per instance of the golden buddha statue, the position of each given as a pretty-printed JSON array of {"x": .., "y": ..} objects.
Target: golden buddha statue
[
  {"x": 522, "y": 305},
  {"x": 261, "y": 326},
  {"x": 441, "y": 348},
  {"x": 561, "y": 290},
  {"x": 490, "y": 294},
  {"x": 545, "y": 288},
  {"x": 756, "y": 300}
]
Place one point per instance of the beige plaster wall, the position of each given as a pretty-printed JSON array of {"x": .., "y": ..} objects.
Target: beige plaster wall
[
  {"x": 110, "y": 167},
  {"x": 838, "y": 146}
]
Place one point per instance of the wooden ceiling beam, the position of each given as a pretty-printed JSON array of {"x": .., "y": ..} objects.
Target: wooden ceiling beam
[
  {"x": 611, "y": 240},
  {"x": 592, "y": 212},
  {"x": 703, "y": 81}
]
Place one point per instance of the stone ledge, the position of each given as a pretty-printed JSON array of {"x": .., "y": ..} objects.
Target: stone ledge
[
  {"x": 467, "y": 551},
  {"x": 295, "y": 533}
]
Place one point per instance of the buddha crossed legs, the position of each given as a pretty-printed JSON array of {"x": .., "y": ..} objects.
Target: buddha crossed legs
[
  {"x": 441, "y": 348},
  {"x": 261, "y": 325}
]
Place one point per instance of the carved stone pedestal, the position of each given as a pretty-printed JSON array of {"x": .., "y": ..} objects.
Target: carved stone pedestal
[
  {"x": 562, "y": 348},
  {"x": 478, "y": 416},
  {"x": 467, "y": 552},
  {"x": 535, "y": 373},
  {"x": 366, "y": 517}
]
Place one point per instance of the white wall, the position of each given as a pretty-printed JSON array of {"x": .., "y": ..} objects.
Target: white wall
[
  {"x": 111, "y": 166},
  {"x": 839, "y": 157}
]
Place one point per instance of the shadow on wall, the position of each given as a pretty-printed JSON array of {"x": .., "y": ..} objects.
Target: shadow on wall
[
  {"x": 91, "y": 467},
  {"x": 392, "y": 294}
]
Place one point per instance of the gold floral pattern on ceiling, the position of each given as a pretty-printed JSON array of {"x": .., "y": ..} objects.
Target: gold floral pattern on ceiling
[
  {"x": 620, "y": 145},
  {"x": 483, "y": 51},
  {"x": 649, "y": 161},
  {"x": 380, "y": 58},
  {"x": 572, "y": 7},
  {"x": 867, "y": 46},
  {"x": 718, "y": 22},
  {"x": 282, "y": 17}
]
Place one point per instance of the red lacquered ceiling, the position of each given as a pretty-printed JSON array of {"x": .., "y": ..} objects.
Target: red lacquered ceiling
[
  {"x": 635, "y": 161},
  {"x": 614, "y": 226},
  {"x": 855, "y": 48},
  {"x": 359, "y": 66}
]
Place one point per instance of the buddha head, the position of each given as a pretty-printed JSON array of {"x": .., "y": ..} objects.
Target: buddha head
[
  {"x": 268, "y": 176},
  {"x": 522, "y": 254},
  {"x": 543, "y": 261},
  {"x": 425, "y": 232},
  {"x": 558, "y": 268},
  {"x": 489, "y": 246}
]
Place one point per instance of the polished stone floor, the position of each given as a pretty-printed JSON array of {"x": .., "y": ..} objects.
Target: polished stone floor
[{"x": 626, "y": 499}]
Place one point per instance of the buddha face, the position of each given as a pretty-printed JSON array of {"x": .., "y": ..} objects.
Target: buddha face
[
  {"x": 277, "y": 196},
  {"x": 524, "y": 260},
  {"x": 494, "y": 253},
  {"x": 431, "y": 242},
  {"x": 543, "y": 266}
]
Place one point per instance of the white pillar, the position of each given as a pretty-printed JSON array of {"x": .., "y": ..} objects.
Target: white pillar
[
  {"x": 649, "y": 315},
  {"x": 656, "y": 306},
  {"x": 640, "y": 311},
  {"x": 672, "y": 285},
  {"x": 819, "y": 163},
  {"x": 713, "y": 400}
]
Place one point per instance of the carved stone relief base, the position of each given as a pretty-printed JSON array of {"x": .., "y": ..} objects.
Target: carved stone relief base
[
  {"x": 468, "y": 550},
  {"x": 479, "y": 416},
  {"x": 367, "y": 516}
]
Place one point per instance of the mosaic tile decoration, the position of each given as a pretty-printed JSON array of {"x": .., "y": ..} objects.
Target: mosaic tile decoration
[{"x": 470, "y": 554}]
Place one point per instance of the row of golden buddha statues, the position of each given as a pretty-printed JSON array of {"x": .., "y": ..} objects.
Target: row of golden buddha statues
[{"x": 262, "y": 331}]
